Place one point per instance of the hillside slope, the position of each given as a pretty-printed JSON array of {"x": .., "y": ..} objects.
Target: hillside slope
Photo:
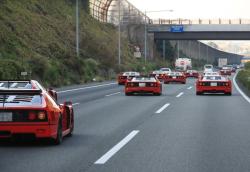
[{"x": 39, "y": 37}]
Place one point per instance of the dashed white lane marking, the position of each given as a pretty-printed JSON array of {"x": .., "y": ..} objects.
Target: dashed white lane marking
[
  {"x": 74, "y": 104},
  {"x": 84, "y": 88},
  {"x": 189, "y": 88},
  {"x": 112, "y": 94},
  {"x": 180, "y": 94},
  {"x": 240, "y": 91},
  {"x": 162, "y": 108},
  {"x": 117, "y": 147}
]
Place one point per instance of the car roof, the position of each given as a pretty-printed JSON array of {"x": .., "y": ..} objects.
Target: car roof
[{"x": 131, "y": 73}]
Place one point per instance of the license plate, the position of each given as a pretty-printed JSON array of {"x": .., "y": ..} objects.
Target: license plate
[
  {"x": 174, "y": 77},
  {"x": 213, "y": 84},
  {"x": 5, "y": 116},
  {"x": 142, "y": 84}
]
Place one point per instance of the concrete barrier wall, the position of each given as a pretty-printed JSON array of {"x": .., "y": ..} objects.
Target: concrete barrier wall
[{"x": 199, "y": 50}]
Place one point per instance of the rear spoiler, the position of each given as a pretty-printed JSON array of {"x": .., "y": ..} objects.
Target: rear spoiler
[{"x": 20, "y": 91}]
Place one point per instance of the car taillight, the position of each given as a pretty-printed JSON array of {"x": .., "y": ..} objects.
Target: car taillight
[
  {"x": 153, "y": 84},
  {"x": 37, "y": 116},
  {"x": 41, "y": 115},
  {"x": 32, "y": 116}
]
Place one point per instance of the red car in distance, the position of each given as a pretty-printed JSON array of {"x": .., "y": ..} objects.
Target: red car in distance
[
  {"x": 27, "y": 109},
  {"x": 143, "y": 84},
  {"x": 214, "y": 84},
  {"x": 192, "y": 73},
  {"x": 226, "y": 70},
  {"x": 175, "y": 77},
  {"x": 123, "y": 77},
  {"x": 158, "y": 74}
]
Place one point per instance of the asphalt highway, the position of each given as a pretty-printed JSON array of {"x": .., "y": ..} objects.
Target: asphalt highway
[{"x": 175, "y": 132}]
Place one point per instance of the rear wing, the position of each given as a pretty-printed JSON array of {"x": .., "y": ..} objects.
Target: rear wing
[{"x": 20, "y": 92}]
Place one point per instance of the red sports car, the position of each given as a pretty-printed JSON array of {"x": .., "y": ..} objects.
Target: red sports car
[
  {"x": 123, "y": 77},
  {"x": 158, "y": 74},
  {"x": 27, "y": 109},
  {"x": 143, "y": 85},
  {"x": 178, "y": 77},
  {"x": 192, "y": 73},
  {"x": 214, "y": 84},
  {"x": 226, "y": 70}
]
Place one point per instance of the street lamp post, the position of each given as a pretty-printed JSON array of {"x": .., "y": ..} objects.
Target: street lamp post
[
  {"x": 119, "y": 32},
  {"x": 77, "y": 28}
]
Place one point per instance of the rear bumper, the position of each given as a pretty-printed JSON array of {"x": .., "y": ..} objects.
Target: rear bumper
[
  {"x": 210, "y": 89},
  {"x": 37, "y": 130},
  {"x": 142, "y": 90}
]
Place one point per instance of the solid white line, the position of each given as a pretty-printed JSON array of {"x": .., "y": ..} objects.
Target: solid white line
[
  {"x": 162, "y": 108},
  {"x": 112, "y": 94},
  {"x": 74, "y": 104},
  {"x": 189, "y": 88},
  {"x": 117, "y": 147},
  {"x": 83, "y": 88},
  {"x": 240, "y": 91},
  {"x": 179, "y": 95}
]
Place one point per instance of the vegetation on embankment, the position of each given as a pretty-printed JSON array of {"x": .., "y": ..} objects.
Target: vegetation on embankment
[
  {"x": 244, "y": 77},
  {"x": 39, "y": 37}
]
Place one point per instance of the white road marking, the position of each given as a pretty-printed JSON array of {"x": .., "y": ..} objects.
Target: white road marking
[
  {"x": 240, "y": 91},
  {"x": 74, "y": 104},
  {"x": 189, "y": 88},
  {"x": 162, "y": 108},
  {"x": 117, "y": 147},
  {"x": 112, "y": 94},
  {"x": 84, "y": 88},
  {"x": 179, "y": 95}
]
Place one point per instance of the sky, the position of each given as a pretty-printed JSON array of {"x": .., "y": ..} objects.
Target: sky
[{"x": 194, "y": 9}]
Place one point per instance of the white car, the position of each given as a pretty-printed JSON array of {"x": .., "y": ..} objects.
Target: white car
[
  {"x": 165, "y": 70},
  {"x": 208, "y": 68}
]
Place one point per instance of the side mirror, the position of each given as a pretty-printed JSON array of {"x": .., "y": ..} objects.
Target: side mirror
[{"x": 52, "y": 93}]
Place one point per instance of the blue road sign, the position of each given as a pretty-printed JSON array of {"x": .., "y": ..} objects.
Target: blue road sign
[{"x": 177, "y": 28}]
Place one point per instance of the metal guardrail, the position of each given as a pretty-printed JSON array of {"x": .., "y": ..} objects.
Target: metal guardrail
[{"x": 199, "y": 21}]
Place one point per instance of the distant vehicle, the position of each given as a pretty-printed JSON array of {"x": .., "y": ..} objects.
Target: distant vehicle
[
  {"x": 214, "y": 84},
  {"x": 27, "y": 109},
  {"x": 141, "y": 84},
  {"x": 192, "y": 73},
  {"x": 208, "y": 68},
  {"x": 178, "y": 77},
  {"x": 222, "y": 62},
  {"x": 159, "y": 74},
  {"x": 123, "y": 77},
  {"x": 165, "y": 70},
  {"x": 226, "y": 70},
  {"x": 183, "y": 64}
]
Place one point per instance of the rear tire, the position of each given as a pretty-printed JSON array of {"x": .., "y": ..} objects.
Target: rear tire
[
  {"x": 59, "y": 135},
  {"x": 128, "y": 94},
  {"x": 198, "y": 93},
  {"x": 166, "y": 82},
  {"x": 72, "y": 125},
  {"x": 157, "y": 94},
  {"x": 229, "y": 93}
]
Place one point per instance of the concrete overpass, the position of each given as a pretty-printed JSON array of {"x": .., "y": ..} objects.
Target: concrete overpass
[{"x": 200, "y": 31}]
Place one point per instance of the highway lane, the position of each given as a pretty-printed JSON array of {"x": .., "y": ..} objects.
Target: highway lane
[
  {"x": 209, "y": 133},
  {"x": 101, "y": 121}
]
